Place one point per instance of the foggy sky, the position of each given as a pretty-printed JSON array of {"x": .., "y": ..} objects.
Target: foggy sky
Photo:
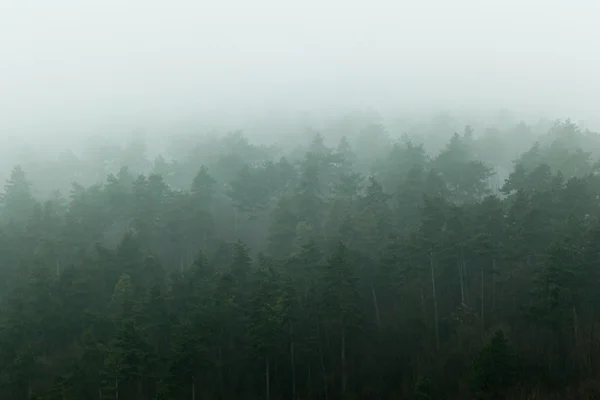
[{"x": 78, "y": 67}]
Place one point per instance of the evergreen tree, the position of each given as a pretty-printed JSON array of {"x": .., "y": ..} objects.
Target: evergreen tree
[{"x": 17, "y": 200}]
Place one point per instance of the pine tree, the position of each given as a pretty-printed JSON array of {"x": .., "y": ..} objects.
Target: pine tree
[
  {"x": 495, "y": 369},
  {"x": 17, "y": 201}
]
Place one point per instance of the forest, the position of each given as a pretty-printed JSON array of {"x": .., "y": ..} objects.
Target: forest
[{"x": 360, "y": 262}]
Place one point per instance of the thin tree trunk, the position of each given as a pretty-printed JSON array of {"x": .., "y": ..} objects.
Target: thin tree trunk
[
  {"x": 575, "y": 327},
  {"x": 309, "y": 381},
  {"x": 323, "y": 365},
  {"x": 235, "y": 220},
  {"x": 193, "y": 388},
  {"x": 324, "y": 376},
  {"x": 376, "y": 305},
  {"x": 423, "y": 310},
  {"x": 293, "y": 360},
  {"x": 590, "y": 342},
  {"x": 140, "y": 389},
  {"x": 482, "y": 303},
  {"x": 494, "y": 286},
  {"x": 344, "y": 377},
  {"x": 462, "y": 285},
  {"x": 268, "y": 379},
  {"x": 116, "y": 389},
  {"x": 435, "y": 305},
  {"x": 465, "y": 279},
  {"x": 221, "y": 372}
]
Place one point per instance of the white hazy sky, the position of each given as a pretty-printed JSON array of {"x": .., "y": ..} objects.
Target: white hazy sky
[{"x": 72, "y": 64}]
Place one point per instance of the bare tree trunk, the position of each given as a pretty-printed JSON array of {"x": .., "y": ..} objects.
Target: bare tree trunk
[
  {"x": 344, "y": 377},
  {"x": 575, "y": 326},
  {"x": 494, "y": 285},
  {"x": 116, "y": 389},
  {"x": 235, "y": 220},
  {"x": 323, "y": 366},
  {"x": 590, "y": 343},
  {"x": 268, "y": 379},
  {"x": 293, "y": 360},
  {"x": 423, "y": 310},
  {"x": 465, "y": 279},
  {"x": 221, "y": 372},
  {"x": 140, "y": 388},
  {"x": 482, "y": 303},
  {"x": 435, "y": 305},
  {"x": 309, "y": 381},
  {"x": 376, "y": 304},
  {"x": 326, "y": 386},
  {"x": 462, "y": 284},
  {"x": 193, "y": 388}
]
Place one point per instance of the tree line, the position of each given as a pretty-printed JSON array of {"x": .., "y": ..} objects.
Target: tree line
[{"x": 326, "y": 273}]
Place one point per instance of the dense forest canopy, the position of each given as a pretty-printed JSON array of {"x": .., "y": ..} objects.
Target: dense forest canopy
[{"x": 359, "y": 259}]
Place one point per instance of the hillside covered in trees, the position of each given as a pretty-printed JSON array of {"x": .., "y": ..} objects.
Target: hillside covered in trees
[{"x": 351, "y": 265}]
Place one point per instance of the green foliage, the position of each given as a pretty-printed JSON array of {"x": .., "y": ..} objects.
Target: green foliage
[
  {"x": 17, "y": 199},
  {"x": 371, "y": 269},
  {"x": 494, "y": 369}
]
